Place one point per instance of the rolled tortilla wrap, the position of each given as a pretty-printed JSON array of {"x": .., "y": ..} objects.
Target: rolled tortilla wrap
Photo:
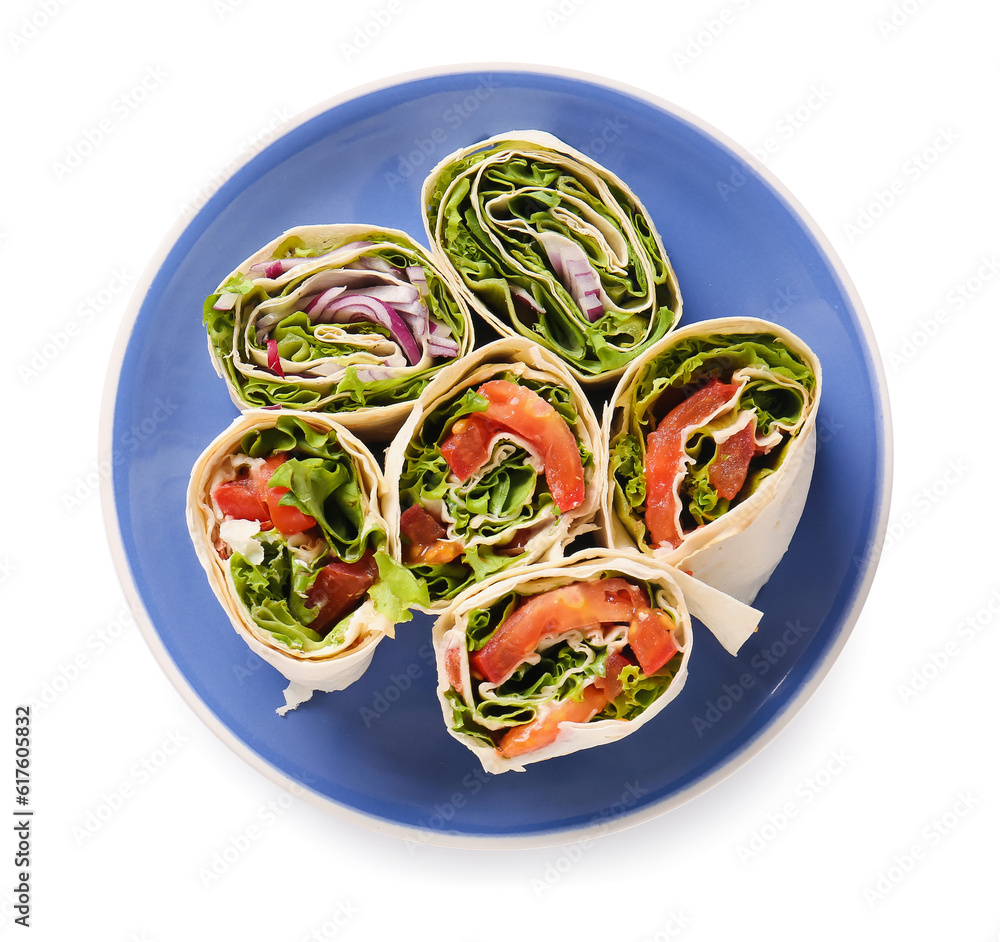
[
  {"x": 554, "y": 247},
  {"x": 559, "y": 657},
  {"x": 501, "y": 463},
  {"x": 712, "y": 444},
  {"x": 282, "y": 509},
  {"x": 351, "y": 320}
]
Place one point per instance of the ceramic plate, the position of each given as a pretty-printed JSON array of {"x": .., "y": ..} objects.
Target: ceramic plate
[{"x": 377, "y": 753}]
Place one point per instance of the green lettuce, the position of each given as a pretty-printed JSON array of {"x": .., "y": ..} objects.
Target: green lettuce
[{"x": 397, "y": 590}]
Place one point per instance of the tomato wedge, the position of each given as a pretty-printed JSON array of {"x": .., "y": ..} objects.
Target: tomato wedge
[
  {"x": 611, "y": 682},
  {"x": 580, "y": 605},
  {"x": 732, "y": 461},
  {"x": 418, "y": 526},
  {"x": 453, "y": 668},
  {"x": 612, "y": 601},
  {"x": 466, "y": 449},
  {"x": 522, "y": 411},
  {"x": 651, "y": 637},
  {"x": 248, "y": 497},
  {"x": 338, "y": 589},
  {"x": 665, "y": 458},
  {"x": 239, "y": 498},
  {"x": 287, "y": 520},
  {"x": 543, "y": 730}
]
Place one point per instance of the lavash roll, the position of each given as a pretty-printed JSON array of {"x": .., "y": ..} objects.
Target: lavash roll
[
  {"x": 737, "y": 550},
  {"x": 348, "y": 319},
  {"x": 555, "y": 247},
  {"x": 485, "y": 514},
  {"x": 566, "y": 667},
  {"x": 254, "y": 569}
]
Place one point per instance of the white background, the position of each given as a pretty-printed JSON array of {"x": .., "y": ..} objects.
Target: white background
[{"x": 874, "y": 815}]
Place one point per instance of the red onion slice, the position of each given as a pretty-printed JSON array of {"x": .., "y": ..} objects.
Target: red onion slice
[
  {"x": 526, "y": 297},
  {"x": 318, "y": 304},
  {"x": 269, "y": 269},
  {"x": 440, "y": 342},
  {"x": 585, "y": 287},
  {"x": 373, "y": 374},
  {"x": 273, "y": 360},
  {"x": 442, "y": 347},
  {"x": 274, "y": 267},
  {"x": 356, "y": 307},
  {"x": 570, "y": 263},
  {"x": 418, "y": 278},
  {"x": 374, "y": 263},
  {"x": 394, "y": 294}
]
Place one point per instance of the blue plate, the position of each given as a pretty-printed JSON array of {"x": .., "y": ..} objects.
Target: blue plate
[{"x": 378, "y": 753}]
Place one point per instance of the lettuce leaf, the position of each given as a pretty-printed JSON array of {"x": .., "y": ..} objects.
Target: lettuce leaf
[
  {"x": 321, "y": 480},
  {"x": 695, "y": 359},
  {"x": 265, "y": 590},
  {"x": 397, "y": 590},
  {"x": 640, "y": 691},
  {"x": 446, "y": 580}
]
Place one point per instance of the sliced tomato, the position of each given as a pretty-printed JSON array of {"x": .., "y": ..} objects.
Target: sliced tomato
[
  {"x": 248, "y": 497},
  {"x": 240, "y": 498},
  {"x": 665, "y": 457},
  {"x": 338, "y": 589},
  {"x": 611, "y": 682},
  {"x": 418, "y": 526},
  {"x": 732, "y": 461},
  {"x": 544, "y": 730},
  {"x": 579, "y": 605},
  {"x": 466, "y": 449},
  {"x": 651, "y": 637},
  {"x": 453, "y": 668},
  {"x": 287, "y": 520},
  {"x": 522, "y": 411}
]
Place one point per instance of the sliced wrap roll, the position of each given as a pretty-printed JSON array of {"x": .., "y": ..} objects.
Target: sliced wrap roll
[
  {"x": 712, "y": 444},
  {"x": 501, "y": 463},
  {"x": 554, "y": 247},
  {"x": 352, "y": 320},
  {"x": 561, "y": 656},
  {"x": 283, "y": 512}
]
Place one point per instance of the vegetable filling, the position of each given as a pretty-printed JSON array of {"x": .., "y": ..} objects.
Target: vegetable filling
[
  {"x": 557, "y": 249},
  {"x": 335, "y": 327},
  {"x": 602, "y": 649},
  {"x": 707, "y": 421},
  {"x": 302, "y": 555},
  {"x": 486, "y": 472}
]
